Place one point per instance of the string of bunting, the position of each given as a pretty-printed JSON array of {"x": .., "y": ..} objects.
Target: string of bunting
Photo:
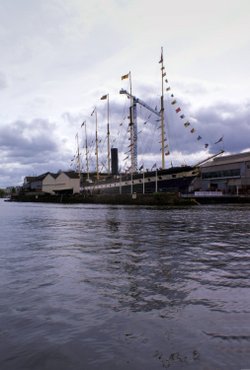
[
  {"x": 166, "y": 146},
  {"x": 179, "y": 112}
]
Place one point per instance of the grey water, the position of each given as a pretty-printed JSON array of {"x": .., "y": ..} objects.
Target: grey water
[{"x": 123, "y": 287}]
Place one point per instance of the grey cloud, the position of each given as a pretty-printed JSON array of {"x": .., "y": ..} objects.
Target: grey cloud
[
  {"x": 27, "y": 140},
  {"x": 232, "y": 121},
  {"x": 221, "y": 119},
  {"x": 33, "y": 148},
  {"x": 27, "y": 148}
]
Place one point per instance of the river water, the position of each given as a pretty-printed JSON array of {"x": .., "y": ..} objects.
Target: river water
[{"x": 123, "y": 287}]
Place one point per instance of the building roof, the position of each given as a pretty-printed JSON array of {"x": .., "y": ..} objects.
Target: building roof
[
  {"x": 228, "y": 159},
  {"x": 70, "y": 174},
  {"x": 36, "y": 178}
]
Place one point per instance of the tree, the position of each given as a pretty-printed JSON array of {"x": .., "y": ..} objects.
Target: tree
[{"x": 2, "y": 193}]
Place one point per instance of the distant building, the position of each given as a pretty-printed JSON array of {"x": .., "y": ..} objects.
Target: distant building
[
  {"x": 62, "y": 182},
  {"x": 229, "y": 174}
]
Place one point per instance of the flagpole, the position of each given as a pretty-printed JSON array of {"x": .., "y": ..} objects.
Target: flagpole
[
  {"x": 108, "y": 136},
  {"x": 131, "y": 123},
  {"x": 86, "y": 149},
  {"x": 78, "y": 157},
  {"x": 106, "y": 97},
  {"x": 162, "y": 112},
  {"x": 130, "y": 82},
  {"x": 143, "y": 181},
  {"x": 133, "y": 127},
  {"x": 156, "y": 181},
  {"x": 96, "y": 142}
]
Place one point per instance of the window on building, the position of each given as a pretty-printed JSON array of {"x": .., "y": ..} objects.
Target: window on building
[{"x": 221, "y": 174}]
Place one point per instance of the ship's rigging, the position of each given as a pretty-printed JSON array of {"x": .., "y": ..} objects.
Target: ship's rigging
[
  {"x": 132, "y": 152},
  {"x": 134, "y": 126}
]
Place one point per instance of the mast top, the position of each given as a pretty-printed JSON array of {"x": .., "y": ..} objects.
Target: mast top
[{"x": 163, "y": 74}]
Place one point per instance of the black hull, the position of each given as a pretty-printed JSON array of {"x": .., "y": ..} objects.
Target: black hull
[{"x": 164, "y": 181}]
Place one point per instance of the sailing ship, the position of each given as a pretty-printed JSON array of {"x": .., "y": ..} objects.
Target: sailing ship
[{"x": 179, "y": 179}]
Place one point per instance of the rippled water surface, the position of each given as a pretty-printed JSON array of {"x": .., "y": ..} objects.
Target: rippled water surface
[{"x": 123, "y": 287}]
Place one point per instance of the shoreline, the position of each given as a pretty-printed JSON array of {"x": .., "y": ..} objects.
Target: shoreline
[{"x": 120, "y": 199}]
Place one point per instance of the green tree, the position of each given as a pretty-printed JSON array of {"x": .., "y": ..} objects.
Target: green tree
[{"x": 2, "y": 193}]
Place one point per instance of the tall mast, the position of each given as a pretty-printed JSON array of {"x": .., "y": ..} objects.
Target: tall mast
[
  {"x": 132, "y": 125},
  {"x": 133, "y": 144},
  {"x": 108, "y": 136},
  {"x": 96, "y": 143},
  {"x": 163, "y": 74},
  {"x": 133, "y": 135},
  {"x": 78, "y": 156},
  {"x": 86, "y": 149},
  {"x": 86, "y": 152},
  {"x": 133, "y": 128},
  {"x": 106, "y": 97}
]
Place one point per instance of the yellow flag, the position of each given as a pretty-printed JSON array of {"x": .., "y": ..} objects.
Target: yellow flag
[{"x": 125, "y": 76}]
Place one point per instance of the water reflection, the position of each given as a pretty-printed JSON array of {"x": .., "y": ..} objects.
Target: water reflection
[{"x": 124, "y": 287}]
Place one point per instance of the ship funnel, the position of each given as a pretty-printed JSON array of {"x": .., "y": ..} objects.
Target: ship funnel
[{"x": 114, "y": 161}]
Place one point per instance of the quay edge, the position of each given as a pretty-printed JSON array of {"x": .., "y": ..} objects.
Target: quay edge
[{"x": 154, "y": 199}]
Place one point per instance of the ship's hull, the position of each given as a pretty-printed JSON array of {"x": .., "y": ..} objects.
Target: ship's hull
[{"x": 176, "y": 179}]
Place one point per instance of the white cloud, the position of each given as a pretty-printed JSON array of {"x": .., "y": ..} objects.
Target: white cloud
[{"x": 58, "y": 57}]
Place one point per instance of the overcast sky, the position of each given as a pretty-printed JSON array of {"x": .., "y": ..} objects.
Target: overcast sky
[{"x": 58, "y": 57}]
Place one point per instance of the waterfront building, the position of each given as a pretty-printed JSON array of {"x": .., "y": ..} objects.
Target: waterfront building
[
  {"x": 51, "y": 183},
  {"x": 229, "y": 174}
]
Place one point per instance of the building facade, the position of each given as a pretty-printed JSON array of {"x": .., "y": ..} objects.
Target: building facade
[
  {"x": 229, "y": 174},
  {"x": 62, "y": 182}
]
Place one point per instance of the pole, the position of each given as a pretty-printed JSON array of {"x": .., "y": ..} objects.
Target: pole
[
  {"x": 106, "y": 97},
  {"x": 156, "y": 181},
  {"x": 78, "y": 157},
  {"x": 96, "y": 146},
  {"x": 162, "y": 113},
  {"x": 143, "y": 182},
  {"x": 132, "y": 126},
  {"x": 108, "y": 136},
  {"x": 86, "y": 150}
]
